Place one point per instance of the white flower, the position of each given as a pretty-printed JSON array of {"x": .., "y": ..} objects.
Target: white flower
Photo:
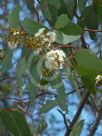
[
  {"x": 55, "y": 59},
  {"x": 99, "y": 79},
  {"x": 46, "y": 38},
  {"x": 51, "y": 36},
  {"x": 12, "y": 45},
  {"x": 40, "y": 32}
]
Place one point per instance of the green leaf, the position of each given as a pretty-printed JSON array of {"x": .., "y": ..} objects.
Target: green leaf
[
  {"x": 13, "y": 17},
  {"x": 30, "y": 5},
  {"x": 55, "y": 3},
  {"x": 72, "y": 79},
  {"x": 31, "y": 27},
  {"x": 9, "y": 122},
  {"x": 63, "y": 8},
  {"x": 46, "y": 11},
  {"x": 15, "y": 122},
  {"x": 90, "y": 20},
  {"x": 21, "y": 68},
  {"x": 88, "y": 77},
  {"x": 98, "y": 8},
  {"x": 82, "y": 5},
  {"x": 62, "y": 38},
  {"x": 50, "y": 10},
  {"x": 86, "y": 58},
  {"x": 77, "y": 129},
  {"x": 32, "y": 92},
  {"x": 62, "y": 20},
  {"x": 34, "y": 73},
  {"x": 6, "y": 63},
  {"x": 89, "y": 66},
  {"x": 48, "y": 106},
  {"x": 72, "y": 29},
  {"x": 71, "y": 7},
  {"x": 61, "y": 98},
  {"x": 21, "y": 122}
]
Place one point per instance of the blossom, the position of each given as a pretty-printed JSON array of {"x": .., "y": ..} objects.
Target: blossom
[
  {"x": 40, "y": 32},
  {"x": 51, "y": 36},
  {"x": 40, "y": 41},
  {"x": 54, "y": 59},
  {"x": 99, "y": 79},
  {"x": 47, "y": 38},
  {"x": 14, "y": 37},
  {"x": 34, "y": 43}
]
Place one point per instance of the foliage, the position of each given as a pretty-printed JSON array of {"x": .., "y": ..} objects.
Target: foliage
[{"x": 48, "y": 50}]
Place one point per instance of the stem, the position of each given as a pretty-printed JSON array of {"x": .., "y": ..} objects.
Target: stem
[
  {"x": 94, "y": 128},
  {"x": 37, "y": 15},
  {"x": 84, "y": 44},
  {"x": 94, "y": 103},
  {"x": 92, "y": 30},
  {"x": 64, "y": 118},
  {"x": 76, "y": 117}
]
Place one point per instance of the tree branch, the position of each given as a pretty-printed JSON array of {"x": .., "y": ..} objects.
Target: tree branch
[
  {"x": 94, "y": 128},
  {"x": 92, "y": 30},
  {"x": 64, "y": 118},
  {"x": 81, "y": 106}
]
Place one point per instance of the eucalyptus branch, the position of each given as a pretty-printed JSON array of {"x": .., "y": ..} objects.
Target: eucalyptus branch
[
  {"x": 92, "y": 30},
  {"x": 94, "y": 103},
  {"x": 94, "y": 128},
  {"x": 80, "y": 108},
  {"x": 50, "y": 93},
  {"x": 64, "y": 118},
  {"x": 84, "y": 44},
  {"x": 37, "y": 15}
]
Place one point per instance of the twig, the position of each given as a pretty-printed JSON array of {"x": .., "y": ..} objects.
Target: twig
[
  {"x": 64, "y": 118},
  {"x": 92, "y": 30},
  {"x": 37, "y": 15},
  {"x": 94, "y": 128},
  {"x": 84, "y": 44},
  {"x": 93, "y": 101},
  {"x": 50, "y": 93},
  {"x": 81, "y": 106}
]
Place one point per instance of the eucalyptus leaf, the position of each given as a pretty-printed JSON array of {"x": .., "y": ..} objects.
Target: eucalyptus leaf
[
  {"x": 77, "y": 129},
  {"x": 72, "y": 29},
  {"x": 15, "y": 122},
  {"x": 6, "y": 63},
  {"x": 48, "y": 106},
  {"x": 62, "y": 20},
  {"x": 62, "y": 38},
  {"x": 31, "y": 26},
  {"x": 13, "y": 17},
  {"x": 56, "y": 3},
  {"x": 87, "y": 69},
  {"x": 20, "y": 70},
  {"x": 98, "y": 8}
]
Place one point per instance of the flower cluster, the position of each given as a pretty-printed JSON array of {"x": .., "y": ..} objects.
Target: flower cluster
[
  {"x": 47, "y": 38},
  {"x": 54, "y": 59},
  {"x": 99, "y": 79},
  {"x": 40, "y": 40},
  {"x": 14, "y": 38},
  {"x": 34, "y": 43}
]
